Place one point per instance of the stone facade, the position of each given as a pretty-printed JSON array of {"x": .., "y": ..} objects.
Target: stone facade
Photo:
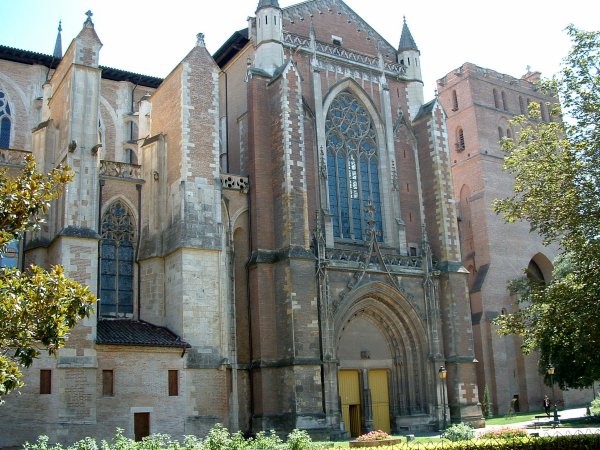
[{"x": 270, "y": 230}]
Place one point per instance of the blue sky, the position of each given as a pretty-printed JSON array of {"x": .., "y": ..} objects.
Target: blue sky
[{"x": 143, "y": 37}]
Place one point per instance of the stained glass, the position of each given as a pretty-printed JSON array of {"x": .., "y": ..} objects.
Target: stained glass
[
  {"x": 116, "y": 265},
  {"x": 352, "y": 160},
  {"x": 5, "y": 122}
]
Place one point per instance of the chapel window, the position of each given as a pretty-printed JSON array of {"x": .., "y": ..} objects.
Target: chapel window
[
  {"x": 116, "y": 265},
  {"x": 352, "y": 165},
  {"x": 5, "y": 121},
  {"x": 496, "y": 99}
]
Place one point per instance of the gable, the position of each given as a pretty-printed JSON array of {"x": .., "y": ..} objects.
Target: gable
[{"x": 333, "y": 18}]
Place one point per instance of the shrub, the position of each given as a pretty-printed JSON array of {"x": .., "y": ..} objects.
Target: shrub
[
  {"x": 239, "y": 442},
  {"x": 157, "y": 441},
  {"x": 265, "y": 441},
  {"x": 120, "y": 442},
  {"x": 595, "y": 406},
  {"x": 191, "y": 442},
  {"x": 459, "y": 432},
  {"x": 40, "y": 444},
  {"x": 217, "y": 438},
  {"x": 298, "y": 440},
  {"x": 87, "y": 443}
]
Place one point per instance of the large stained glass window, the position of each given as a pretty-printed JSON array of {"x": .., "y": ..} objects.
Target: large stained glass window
[
  {"x": 4, "y": 121},
  {"x": 352, "y": 168},
  {"x": 116, "y": 263}
]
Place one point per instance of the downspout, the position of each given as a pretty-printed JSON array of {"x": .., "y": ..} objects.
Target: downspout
[
  {"x": 98, "y": 280},
  {"x": 233, "y": 350},
  {"x": 251, "y": 348},
  {"x": 224, "y": 145},
  {"x": 138, "y": 187},
  {"x": 132, "y": 103},
  {"x": 226, "y": 124}
]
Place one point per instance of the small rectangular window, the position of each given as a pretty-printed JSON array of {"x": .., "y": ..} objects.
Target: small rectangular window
[
  {"x": 45, "y": 381},
  {"x": 107, "y": 383},
  {"x": 173, "y": 383}
]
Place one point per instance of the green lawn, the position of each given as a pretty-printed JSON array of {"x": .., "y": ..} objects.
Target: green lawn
[{"x": 513, "y": 418}]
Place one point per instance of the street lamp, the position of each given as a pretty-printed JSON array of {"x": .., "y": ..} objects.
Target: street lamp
[
  {"x": 550, "y": 371},
  {"x": 442, "y": 374}
]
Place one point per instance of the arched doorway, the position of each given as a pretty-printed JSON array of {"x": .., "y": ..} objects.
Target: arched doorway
[{"x": 383, "y": 371}]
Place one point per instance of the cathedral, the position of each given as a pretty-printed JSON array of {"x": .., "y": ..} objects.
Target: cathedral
[{"x": 270, "y": 231}]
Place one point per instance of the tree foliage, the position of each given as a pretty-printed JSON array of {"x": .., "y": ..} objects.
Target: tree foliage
[
  {"x": 37, "y": 307},
  {"x": 556, "y": 166}
]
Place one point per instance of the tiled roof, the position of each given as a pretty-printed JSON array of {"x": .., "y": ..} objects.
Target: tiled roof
[
  {"x": 267, "y": 3},
  {"x": 27, "y": 57},
  {"x": 231, "y": 47},
  {"x": 407, "y": 42},
  {"x": 133, "y": 332},
  {"x": 425, "y": 110}
]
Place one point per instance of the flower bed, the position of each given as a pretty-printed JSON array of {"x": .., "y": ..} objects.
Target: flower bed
[
  {"x": 380, "y": 443},
  {"x": 376, "y": 438}
]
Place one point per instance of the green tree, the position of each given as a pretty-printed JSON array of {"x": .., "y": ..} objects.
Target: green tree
[
  {"x": 556, "y": 167},
  {"x": 37, "y": 307}
]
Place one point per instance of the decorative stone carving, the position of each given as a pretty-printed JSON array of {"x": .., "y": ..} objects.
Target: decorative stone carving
[
  {"x": 120, "y": 170},
  {"x": 234, "y": 182}
]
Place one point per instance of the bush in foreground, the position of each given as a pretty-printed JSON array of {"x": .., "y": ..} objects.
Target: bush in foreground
[
  {"x": 459, "y": 432},
  {"x": 218, "y": 438}
]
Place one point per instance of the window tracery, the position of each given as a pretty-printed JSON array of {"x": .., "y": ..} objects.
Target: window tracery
[
  {"x": 116, "y": 263},
  {"x": 352, "y": 166},
  {"x": 5, "y": 121}
]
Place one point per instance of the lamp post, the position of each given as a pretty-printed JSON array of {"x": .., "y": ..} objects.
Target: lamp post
[
  {"x": 442, "y": 374},
  {"x": 550, "y": 371}
]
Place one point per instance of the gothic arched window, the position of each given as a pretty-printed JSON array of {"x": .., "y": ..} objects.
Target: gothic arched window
[
  {"x": 352, "y": 168},
  {"x": 116, "y": 262},
  {"x": 4, "y": 121}
]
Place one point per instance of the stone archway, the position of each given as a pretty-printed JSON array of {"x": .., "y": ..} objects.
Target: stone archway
[{"x": 382, "y": 350}]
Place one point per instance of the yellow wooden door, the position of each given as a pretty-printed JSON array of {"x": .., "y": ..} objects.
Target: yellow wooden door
[
  {"x": 349, "y": 388},
  {"x": 380, "y": 399}
]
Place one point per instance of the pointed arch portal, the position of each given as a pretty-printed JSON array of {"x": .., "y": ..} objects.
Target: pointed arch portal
[{"x": 383, "y": 361}]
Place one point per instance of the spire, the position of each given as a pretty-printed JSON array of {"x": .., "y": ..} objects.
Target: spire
[
  {"x": 58, "y": 45},
  {"x": 267, "y": 3},
  {"x": 406, "y": 40}
]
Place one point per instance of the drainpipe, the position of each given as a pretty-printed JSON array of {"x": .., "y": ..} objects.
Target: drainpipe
[
  {"x": 138, "y": 187},
  {"x": 98, "y": 281}
]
